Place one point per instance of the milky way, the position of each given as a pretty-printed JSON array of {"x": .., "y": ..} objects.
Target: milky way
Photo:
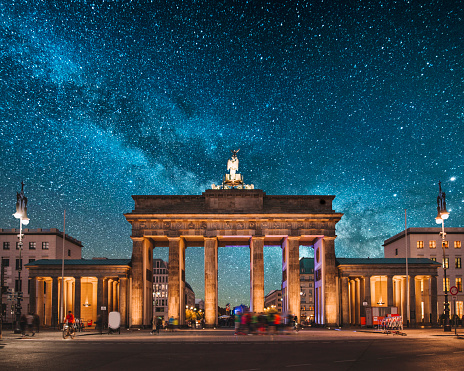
[{"x": 105, "y": 99}]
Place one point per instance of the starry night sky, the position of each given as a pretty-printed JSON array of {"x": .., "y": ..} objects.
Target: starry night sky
[{"x": 100, "y": 100}]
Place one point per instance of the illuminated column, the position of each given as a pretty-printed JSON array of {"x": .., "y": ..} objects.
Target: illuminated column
[
  {"x": 55, "y": 319},
  {"x": 433, "y": 298},
  {"x": 110, "y": 295},
  {"x": 77, "y": 297},
  {"x": 211, "y": 281},
  {"x": 123, "y": 300},
  {"x": 358, "y": 301},
  {"x": 40, "y": 301},
  {"x": 367, "y": 293},
  {"x": 32, "y": 295},
  {"x": 176, "y": 279},
  {"x": 115, "y": 295},
  {"x": 389, "y": 290},
  {"x": 293, "y": 276},
  {"x": 100, "y": 295},
  {"x": 328, "y": 283},
  {"x": 257, "y": 275},
  {"x": 426, "y": 299},
  {"x": 352, "y": 302},
  {"x": 345, "y": 301},
  {"x": 418, "y": 300},
  {"x": 137, "y": 282},
  {"x": 412, "y": 298}
]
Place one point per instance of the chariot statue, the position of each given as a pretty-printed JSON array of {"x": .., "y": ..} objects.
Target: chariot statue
[{"x": 233, "y": 179}]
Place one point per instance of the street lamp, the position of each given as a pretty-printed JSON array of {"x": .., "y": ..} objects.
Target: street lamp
[
  {"x": 443, "y": 214},
  {"x": 21, "y": 214}
]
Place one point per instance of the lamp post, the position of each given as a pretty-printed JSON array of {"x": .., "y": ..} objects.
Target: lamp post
[
  {"x": 21, "y": 214},
  {"x": 443, "y": 214}
]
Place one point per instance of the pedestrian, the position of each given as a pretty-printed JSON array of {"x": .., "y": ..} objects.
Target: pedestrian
[
  {"x": 30, "y": 323},
  {"x": 36, "y": 322},
  {"x": 23, "y": 324},
  {"x": 237, "y": 323}
]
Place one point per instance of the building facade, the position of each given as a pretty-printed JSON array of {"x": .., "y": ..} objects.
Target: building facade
[
  {"x": 160, "y": 289},
  {"x": 427, "y": 243},
  {"x": 37, "y": 244},
  {"x": 90, "y": 288},
  {"x": 273, "y": 301},
  {"x": 306, "y": 290}
]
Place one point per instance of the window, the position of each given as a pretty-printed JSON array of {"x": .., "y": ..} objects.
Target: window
[
  {"x": 31, "y": 260},
  {"x": 420, "y": 244},
  {"x": 396, "y": 251},
  {"x": 19, "y": 264},
  {"x": 457, "y": 244},
  {"x": 69, "y": 252},
  {"x": 45, "y": 245},
  {"x": 445, "y": 244},
  {"x": 6, "y": 245},
  {"x": 17, "y": 245},
  {"x": 32, "y": 245},
  {"x": 447, "y": 287},
  {"x": 433, "y": 259},
  {"x": 457, "y": 262},
  {"x": 459, "y": 283},
  {"x": 433, "y": 244},
  {"x": 5, "y": 262},
  {"x": 446, "y": 263}
]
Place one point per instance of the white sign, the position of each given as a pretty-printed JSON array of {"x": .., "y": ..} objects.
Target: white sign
[{"x": 103, "y": 308}]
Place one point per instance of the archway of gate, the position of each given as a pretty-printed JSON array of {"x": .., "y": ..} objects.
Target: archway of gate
[{"x": 177, "y": 246}]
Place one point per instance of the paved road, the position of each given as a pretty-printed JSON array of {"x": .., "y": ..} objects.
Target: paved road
[{"x": 221, "y": 350}]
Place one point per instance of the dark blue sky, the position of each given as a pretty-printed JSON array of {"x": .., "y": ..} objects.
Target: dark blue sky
[{"x": 105, "y": 99}]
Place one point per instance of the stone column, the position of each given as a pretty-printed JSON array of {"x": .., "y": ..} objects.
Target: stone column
[
  {"x": 345, "y": 301},
  {"x": 77, "y": 297},
  {"x": 100, "y": 297},
  {"x": 426, "y": 297},
  {"x": 389, "y": 290},
  {"x": 110, "y": 295},
  {"x": 358, "y": 301},
  {"x": 211, "y": 281},
  {"x": 433, "y": 299},
  {"x": 352, "y": 302},
  {"x": 115, "y": 295},
  {"x": 123, "y": 300},
  {"x": 32, "y": 295},
  {"x": 40, "y": 301},
  {"x": 331, "y": 317},
  {"x": 293, "y": 276},
  {"x": 412, "y": 299},
  {"x": 367, "y": 291},
  {"x": 257, "y": 275},
  {"x": 55, "y": 320},
  {"x": 418, "y": 301},
  {"x": 175, "y": 295},
  {"x": 136, "y": 310}
]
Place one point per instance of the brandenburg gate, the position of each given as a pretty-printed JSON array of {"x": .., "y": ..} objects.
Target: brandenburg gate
[{"x": 233, "y": 214}]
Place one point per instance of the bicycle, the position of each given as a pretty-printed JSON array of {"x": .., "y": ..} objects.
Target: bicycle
[{"x": 68, "y": 330}]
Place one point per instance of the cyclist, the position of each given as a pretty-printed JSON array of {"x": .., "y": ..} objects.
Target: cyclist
[{"x": 70, "y": 321}]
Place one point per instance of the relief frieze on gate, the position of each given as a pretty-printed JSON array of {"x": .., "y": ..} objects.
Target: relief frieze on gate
[{"x": 198, "y": 227}]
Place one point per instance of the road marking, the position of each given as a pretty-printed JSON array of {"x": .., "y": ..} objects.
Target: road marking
[
  {"x": 302, "y": 364},
  {"x": 346, "y": 360},
  {"x": 461, "y": 351},
  {"x": 426, "y": 354}
]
